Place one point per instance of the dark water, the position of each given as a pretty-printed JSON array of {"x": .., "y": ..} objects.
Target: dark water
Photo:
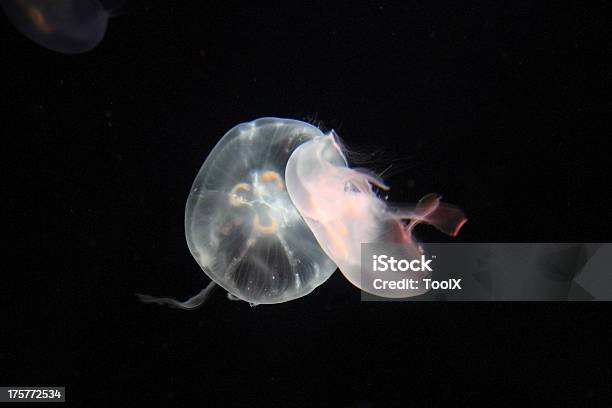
[{"x": 501, "y": 108}]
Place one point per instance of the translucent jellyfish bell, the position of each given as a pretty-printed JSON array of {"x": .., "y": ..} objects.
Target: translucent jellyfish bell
[
  {"x": 65, "y": 26},
  {"x": 343, "y": 211},
  {"x": 240, "y": 224}
]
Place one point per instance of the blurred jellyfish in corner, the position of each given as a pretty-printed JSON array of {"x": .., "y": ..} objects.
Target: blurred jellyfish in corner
[{"x": 64, "y": 26}]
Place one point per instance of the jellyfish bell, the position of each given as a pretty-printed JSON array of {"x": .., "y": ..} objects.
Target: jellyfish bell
[
  {"x": 64, "y": 26},
  {"x": 240, "y": 224},
  {"x": 342, "y": 209}
]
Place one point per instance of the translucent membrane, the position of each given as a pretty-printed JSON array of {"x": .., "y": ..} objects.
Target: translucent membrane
[
  {"x": 343, "y": 210},
  {"x": 240, "y": 223}
]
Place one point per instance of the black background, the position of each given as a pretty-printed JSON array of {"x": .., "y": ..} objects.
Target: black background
[{"x": 502, "y": 107}]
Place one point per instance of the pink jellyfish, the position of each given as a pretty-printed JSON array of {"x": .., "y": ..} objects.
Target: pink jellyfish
[{"x": 341, "y": 208}]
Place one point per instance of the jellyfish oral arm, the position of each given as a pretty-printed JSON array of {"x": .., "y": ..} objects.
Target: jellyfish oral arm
[{"x": 430, "y": 210}]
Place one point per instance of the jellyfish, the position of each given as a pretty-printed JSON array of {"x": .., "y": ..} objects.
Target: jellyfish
[
  {"x": 342, "y": 209},
  {"x": 240, "y": 224},
  {"x": 65, "y": 26},
  {"x": 275, "y": 209}
]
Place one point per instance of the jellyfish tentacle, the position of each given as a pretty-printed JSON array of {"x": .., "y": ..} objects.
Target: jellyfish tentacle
[
  {"x": 190, "y": 304},
  {"x": 360, "y": 173}
]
